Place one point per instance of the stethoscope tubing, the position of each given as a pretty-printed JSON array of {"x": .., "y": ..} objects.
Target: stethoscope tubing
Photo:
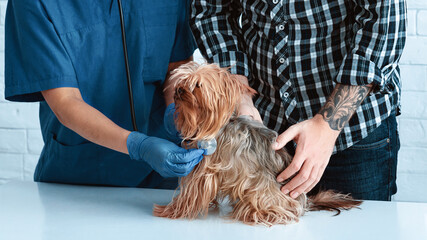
[{"x": 128, "y": 77}]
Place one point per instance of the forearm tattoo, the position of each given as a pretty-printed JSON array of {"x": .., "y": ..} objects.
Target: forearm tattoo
[{"x": 342, "y": 103}]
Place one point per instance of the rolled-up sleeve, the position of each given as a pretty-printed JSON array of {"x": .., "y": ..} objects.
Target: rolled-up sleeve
[
  {"x": 216, "y": 29},
  {"x": 378, "y": 42},
  {"x": 35, "y": 59}
]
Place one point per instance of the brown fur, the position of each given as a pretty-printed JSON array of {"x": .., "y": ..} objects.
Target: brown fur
[
  {"x": 244, "y": 167},
  {"x": 206, "y": 96}
]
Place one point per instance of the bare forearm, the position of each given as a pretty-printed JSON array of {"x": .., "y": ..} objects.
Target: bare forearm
[
  {"x": 247, "y": 98},
  {"x": 95, "y": 126},
  {"x": 342, "y": 104},
  {"x": 87, "y": 121},
  {"x": 246, "y": 106}
]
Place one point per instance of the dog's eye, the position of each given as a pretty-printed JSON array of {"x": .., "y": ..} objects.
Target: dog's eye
[
  {"x": 198, "y": 85},
  {"x": 179, "y": 91}
]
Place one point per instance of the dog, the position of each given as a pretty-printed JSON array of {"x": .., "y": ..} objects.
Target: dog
[{"x": 243, "y": 169}]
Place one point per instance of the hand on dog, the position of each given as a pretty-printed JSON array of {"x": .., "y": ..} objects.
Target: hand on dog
[
  {"x": 246, "y": 105},
  {"x": 315, "y": 142}
]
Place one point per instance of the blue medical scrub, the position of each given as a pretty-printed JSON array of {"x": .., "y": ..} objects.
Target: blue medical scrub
[{"x": 52, "y": 44}]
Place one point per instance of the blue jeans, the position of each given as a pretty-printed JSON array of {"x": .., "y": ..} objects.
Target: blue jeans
[{"x": 366, "y": 170}]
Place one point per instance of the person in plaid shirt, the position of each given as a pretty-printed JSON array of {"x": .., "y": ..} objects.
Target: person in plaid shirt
[{"x": 327, "y": 77}]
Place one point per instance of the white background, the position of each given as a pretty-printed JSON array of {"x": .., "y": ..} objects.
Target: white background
[{"x": 21, "y": 143}]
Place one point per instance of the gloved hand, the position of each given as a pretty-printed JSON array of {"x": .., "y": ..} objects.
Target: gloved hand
[
  {"x": 165, "y": 157},
  {"x": 169, "y": 122}
]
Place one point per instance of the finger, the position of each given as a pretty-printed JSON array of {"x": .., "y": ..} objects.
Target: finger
[
  {"x": 187, "y": 156},
  {"x": 318, "y": 174},
  {"x": 257, "y": 117},
  {"x": 182, "y": 170},
  {"x": 193, "y": 163},
  {"x": 285, "y": 137},
  {"x": 294, "y": 167},
  {"x": 299, "y": 179},
  {"x": 303, "y": 187}
]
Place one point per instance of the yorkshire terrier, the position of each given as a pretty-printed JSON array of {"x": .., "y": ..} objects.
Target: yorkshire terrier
[{"x": 244, "y": 167}]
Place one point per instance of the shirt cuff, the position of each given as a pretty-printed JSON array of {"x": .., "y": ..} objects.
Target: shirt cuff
[
  {"x": 358, "y": 71},
  {"x": 237, "y": 62}
]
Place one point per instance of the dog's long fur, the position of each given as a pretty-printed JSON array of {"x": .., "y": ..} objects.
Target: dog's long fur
[{"x": 244, "y": 166}]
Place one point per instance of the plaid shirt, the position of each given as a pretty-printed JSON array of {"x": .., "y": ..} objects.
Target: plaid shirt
[{"x": 294, "y": 53}]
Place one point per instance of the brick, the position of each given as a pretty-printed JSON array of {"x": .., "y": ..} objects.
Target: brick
[
  {"x": 422, "y": 22},
  {"x": 1, "y": 39},
  {"x": 414, "y": 77},
  {"x": 13, "y": 141},
  {"x": 414, "y": 105},
  {"x": 2, "y": 90},
  {"x": 411, "y": 187},
  {"x": 413, "y": 132},
  {"x": 2, "y": 65},
  {"x": 11, "y": 166},
  {"x": 417, "y": 4},
  {"x": 412, "y": 23},
  {"x": 3, "y": 5},
  {"x": 30, "y": 163},
  {"x": 34, "y": 141},
  {"x": 412, "y": 160},
  {"x": 19, "y": 115},
  {"x": 414, "y": 46}
]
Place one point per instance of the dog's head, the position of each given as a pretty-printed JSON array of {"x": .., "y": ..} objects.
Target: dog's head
[{"x": 205, "y": 99}]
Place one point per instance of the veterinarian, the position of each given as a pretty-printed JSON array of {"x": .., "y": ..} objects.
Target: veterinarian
[
  {"x": 68, "y": 55},
  {"x": 327, "y": 77}
]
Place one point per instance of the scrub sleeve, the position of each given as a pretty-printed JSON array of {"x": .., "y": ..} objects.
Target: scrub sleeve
[{"x": 35, "y": 59}]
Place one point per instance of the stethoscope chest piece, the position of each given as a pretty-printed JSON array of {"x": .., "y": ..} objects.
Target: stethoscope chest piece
[{"x": 208, "y": 145}]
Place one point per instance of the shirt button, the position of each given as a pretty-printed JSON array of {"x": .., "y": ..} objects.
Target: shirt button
[
  {"x": 286, "y": 95},
  {"x": 282, "y": 60},
  {"x": 275, "y": 1},
  {"x": 281, "y": 27}
]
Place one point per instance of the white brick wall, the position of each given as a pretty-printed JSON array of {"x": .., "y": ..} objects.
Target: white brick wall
[
  {"x": 20, "y": 138},
  {"x": 412, "y": 167}
]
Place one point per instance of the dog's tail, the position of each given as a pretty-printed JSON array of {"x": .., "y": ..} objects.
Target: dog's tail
[{"x": 332, "y": 201}]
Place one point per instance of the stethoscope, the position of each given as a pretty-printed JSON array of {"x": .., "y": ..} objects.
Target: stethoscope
[
  {"x": 208, "y": 145},
  {"x": 125, "y": 51}
]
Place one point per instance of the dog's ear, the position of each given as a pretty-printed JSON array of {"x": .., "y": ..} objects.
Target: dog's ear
[{"x": 198, "y": 192}]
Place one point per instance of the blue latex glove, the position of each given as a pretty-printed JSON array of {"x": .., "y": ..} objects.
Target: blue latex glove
[
  {"x": 166, "y": 158},
  {"x": 169, "y": 122}
]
